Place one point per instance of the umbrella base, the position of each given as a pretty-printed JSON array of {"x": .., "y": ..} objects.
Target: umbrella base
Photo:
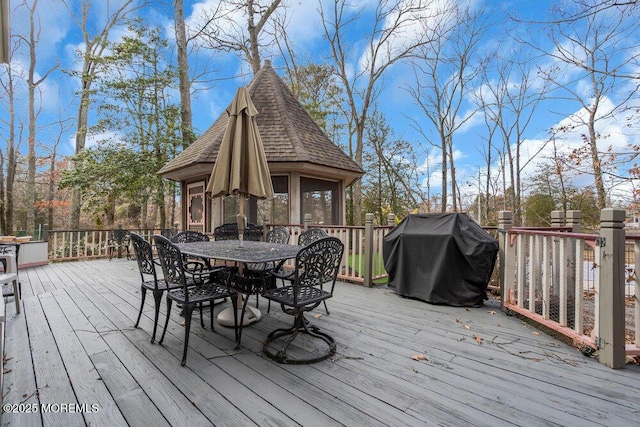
[{"x": 251, "y": 315}]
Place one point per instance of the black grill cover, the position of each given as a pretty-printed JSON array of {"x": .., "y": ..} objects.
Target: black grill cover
[{"x": 440, "y": 258}]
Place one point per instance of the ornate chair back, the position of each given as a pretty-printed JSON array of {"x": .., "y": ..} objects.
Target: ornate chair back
[
  {"x": 144, "y": 256},
  {"x": 311, "y": 235},
  {"x": 316, "y": 264},
  {"x": 172, "y": 262},
  {"x": 229, "y": 231},
  {"x": 278, "y": 234},
  {"x": 189, "y": 236}
]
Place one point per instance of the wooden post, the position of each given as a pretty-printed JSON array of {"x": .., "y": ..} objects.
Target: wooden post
[
  {"x": 611, "y": 329},
  {"x": 368, "y": 250},
  {"x": 557, "y": 220},
  {"x": 507, "y": 260},
  {"x": 391, "y": 219},
  {"x": 307, "y": 221}
]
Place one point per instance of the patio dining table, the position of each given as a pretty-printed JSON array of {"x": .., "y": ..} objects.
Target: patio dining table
[{"x": 250, "y": 252}]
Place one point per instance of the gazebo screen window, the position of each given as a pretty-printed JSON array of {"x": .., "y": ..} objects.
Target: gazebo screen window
[
  {"x": 269, "y": 211},
  {"x": 320, "y": 199}
]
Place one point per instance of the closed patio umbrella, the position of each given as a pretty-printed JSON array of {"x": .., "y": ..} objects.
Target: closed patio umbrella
[
  {"x": 241, "y": 170},
  {"x": 241, "y": 166}
]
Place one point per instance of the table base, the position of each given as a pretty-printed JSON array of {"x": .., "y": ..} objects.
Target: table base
[{"x": 251, "y": 315}]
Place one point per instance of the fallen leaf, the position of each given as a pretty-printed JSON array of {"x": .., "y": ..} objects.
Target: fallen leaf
[
  {"x": 535, "y": 333},
  {"x": 468, "y": 309},
  {"x": 478, "y": 339},
  {"x": 317, "y": 316},
  {"x": 458, "y": 320},
  {"x": 460, "y": 339},
  {"x": 182, "y": 323},
  {"x": 467, "y": 327},
  {"x": 492, "y": 312},
  {"x": 419, "y": 357}
]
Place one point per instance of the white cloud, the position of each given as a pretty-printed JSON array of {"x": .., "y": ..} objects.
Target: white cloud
[{"x": 614, "y": 135}]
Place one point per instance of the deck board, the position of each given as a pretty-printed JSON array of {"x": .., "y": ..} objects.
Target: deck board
[{"x": 75, "y": 343}]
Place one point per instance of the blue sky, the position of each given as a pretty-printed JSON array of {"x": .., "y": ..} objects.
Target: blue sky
[{"x": 60, "y": 38}]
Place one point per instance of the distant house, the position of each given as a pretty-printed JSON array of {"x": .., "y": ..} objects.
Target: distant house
[{"x": 308, "y": 171}]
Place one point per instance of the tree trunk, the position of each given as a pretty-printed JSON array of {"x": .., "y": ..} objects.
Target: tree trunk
[
  {"x": 595, "y": 160},
  {"x": 454, "y": 190},
  {"x": 31, "y": 153},
  {"x": 183, "y": 67},
  {"x": 81, "y": 138},
  {"x": 11, "y": 157},
  {"x": 443, "y": 203},
  {"x": 52, "y": 189}
]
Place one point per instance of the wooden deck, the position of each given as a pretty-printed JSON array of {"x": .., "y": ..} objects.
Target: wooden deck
[{"x": 75, "y": 344}]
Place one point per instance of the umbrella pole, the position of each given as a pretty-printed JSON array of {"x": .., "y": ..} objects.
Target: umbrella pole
[{"x": 241, "y": 220}]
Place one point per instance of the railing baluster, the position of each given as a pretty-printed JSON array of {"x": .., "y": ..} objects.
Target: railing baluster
[
  {"x": 636, "y": 293},
  {"x": 546, "y": 277},
  {"x": 579, "y": 316},
  {"x": 521, "y": 274},
  {"x": 563, "y": 273}
]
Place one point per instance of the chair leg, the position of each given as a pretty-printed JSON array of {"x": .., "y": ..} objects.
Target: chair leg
[
  {"x": 16, "y": 296},
  {"x": 210, "y": 313},
  {"x": 325, "y": 306},
  {"x": 201, "y": 318},
  {"x": 157, "y": 296},
  {"x": 142, "y": 297},
  {"x": 188, "y": 311},
  {"x": 166, "y": 321}
]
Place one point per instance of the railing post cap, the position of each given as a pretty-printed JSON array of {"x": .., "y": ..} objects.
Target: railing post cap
[
  {"x": 612, "y": 215},
  {"x": 505, "y": 215},
  {"x": 574, "y": 214},
  {"x": 557, "y": 214}
]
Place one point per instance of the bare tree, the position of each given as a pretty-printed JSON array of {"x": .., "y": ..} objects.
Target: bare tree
[
  {"x": 443, "y": 72},
  {"x": 95, "y": 35},
  {"x": 239, "y": 26},
  {"x": 32, "y": 40},
  {"x": 509, "y": 98},
  {"x": 52, "y": 175},
  {"x": 9, "y": 83},
  {"x": 590, "y": 53},
  {"x": 387, "y": 42}
]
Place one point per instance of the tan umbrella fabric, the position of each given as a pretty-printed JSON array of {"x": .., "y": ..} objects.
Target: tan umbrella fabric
[{"x": 241, "y": 166}]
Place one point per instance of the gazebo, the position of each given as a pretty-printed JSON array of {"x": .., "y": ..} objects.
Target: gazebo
[{"x": 309, "y": 172}]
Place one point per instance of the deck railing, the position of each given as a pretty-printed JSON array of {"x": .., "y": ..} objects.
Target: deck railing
[
  {"x": 583, "y": 286},
  {"x": 67, "y": 245},
  {"x": 362, "y": 261}
]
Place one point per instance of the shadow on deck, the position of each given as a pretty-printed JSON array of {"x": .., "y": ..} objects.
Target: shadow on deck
[{"x": 75, "y": 345}]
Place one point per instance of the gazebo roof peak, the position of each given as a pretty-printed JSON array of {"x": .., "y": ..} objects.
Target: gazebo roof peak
[{"x": 288, "y": 133}]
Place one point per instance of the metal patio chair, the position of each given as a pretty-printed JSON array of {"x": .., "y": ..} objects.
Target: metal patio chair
[
  {"x": 316, "y": 264},
  {"x": 118, "y": 240},
  {"x": 190, "y": 293},
  {"x": 149, "y": 278},
  {"x": 263, "y": 271},
  {"x": 190, "y": 236},
  {"x": 304, "y": 239}
]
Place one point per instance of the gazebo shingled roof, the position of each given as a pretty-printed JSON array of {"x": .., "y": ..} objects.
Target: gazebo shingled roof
[{"x": 288, "y": 132}]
